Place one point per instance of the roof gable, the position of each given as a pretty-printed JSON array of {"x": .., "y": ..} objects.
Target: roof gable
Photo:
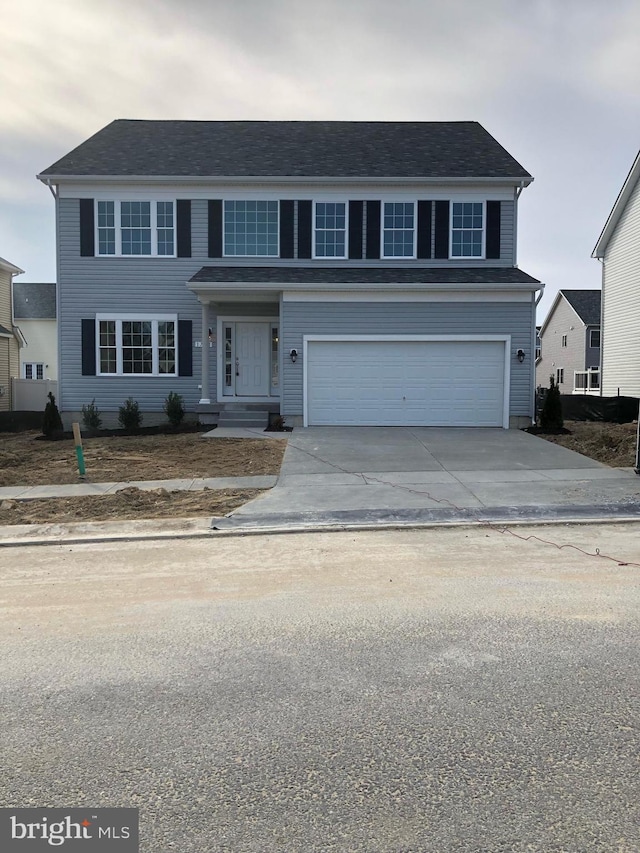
[
  {"x": 313, "y": 149},
  {"x": 585, "y": 304},
  {"x": 618, "y": 209}
]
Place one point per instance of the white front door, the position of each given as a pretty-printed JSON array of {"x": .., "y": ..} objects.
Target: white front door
[{"x": 252, "y": 359}]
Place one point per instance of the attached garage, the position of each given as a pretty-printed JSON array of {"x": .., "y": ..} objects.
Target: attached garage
[{"x": 400, "y": 381}]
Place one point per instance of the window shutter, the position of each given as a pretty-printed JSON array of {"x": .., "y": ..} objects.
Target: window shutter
[
  {"x": 286, "y": 229},
  {"x": 442, "y": 229},
  {"x": 304, "y": 229},
  {"x": 183, "y": 228},
  {"x": 88, "y": 347},
  {"x": 215, "y": 228},
  {"x": 185, "y": 347},
  {"x": 87, "y": 231},
  {"x": 493, "y": 229},
  {"x": 356, "y": 212},
  {"x": 373, "y": 229},
  {"x": 424, "y": 229}
]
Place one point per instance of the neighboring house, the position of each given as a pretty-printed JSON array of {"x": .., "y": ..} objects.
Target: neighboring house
[
  {"x": 618, "y": 248},
  {"x": 34, "y": 310},
  {"x": 570, "y": 343},
  {"x": 10, "y": 337},
  {"x": 334, "y": 272}
]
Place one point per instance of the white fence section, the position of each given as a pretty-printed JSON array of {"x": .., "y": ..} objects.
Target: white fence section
[{"x": 30, "y": 395}]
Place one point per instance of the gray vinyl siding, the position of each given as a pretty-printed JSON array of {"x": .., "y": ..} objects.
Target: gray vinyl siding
[
  {"x": 564, "y": 321},
  {"x": 621, "y": 304},
  {"x": 507, "y": 233},
  {"x": 90, "y": 286},
  {"x": 419, "y": 318},
  {"x": 591, "y": 354}
]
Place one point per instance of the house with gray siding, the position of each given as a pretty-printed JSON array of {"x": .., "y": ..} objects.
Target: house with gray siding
[
  {"x": 347, "y": 273},
  {"x": 570, "y": 343},
  {"x": 618, "y": 250}
]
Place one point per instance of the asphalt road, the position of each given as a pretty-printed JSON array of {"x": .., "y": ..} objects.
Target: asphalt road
[{"x": 425, "y": 690}]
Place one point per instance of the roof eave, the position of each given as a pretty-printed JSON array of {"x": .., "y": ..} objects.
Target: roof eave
[
  {"x": 340, "y": 287},
  {"x": 283, "y": 179},
  {"x": 617, "y": 209},
  {"x": 10, "y": 268}
]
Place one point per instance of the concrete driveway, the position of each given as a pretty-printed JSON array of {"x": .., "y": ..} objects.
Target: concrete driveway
[{"x": 357, "y": 475}]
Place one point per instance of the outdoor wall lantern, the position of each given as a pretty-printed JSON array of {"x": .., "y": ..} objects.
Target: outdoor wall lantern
[
  {"x": 520, "y": 355},
  {"x": 293, "y": 354}
]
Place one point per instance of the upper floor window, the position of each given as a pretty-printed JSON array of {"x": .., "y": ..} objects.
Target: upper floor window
[
  {"x": 136, "y": 228},
  {"x": 594, "y": 338},
  {"x": 140, "y": 345},
  {"x": 398, "y": 229},
  {"x": 564, "y": 340},
  {"x": 251, "y": 228},
  {"x": 330, "y": 231},
  {"x": 467, "y": 229}
]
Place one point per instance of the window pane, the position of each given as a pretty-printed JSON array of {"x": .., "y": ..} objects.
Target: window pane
[{"x": 251, "y": 228}]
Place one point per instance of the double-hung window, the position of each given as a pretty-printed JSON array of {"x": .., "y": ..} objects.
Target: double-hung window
[
  {"x": 467, "y": 229},
  {"x": 137, "y": 345},
  {"x": 251, "y": 229},
  {"x": 33, "y": 370},
  {"x": 398, "y": 229},
  {"x": 136, "y": 228},
  {"x": 330, "y": 229}
]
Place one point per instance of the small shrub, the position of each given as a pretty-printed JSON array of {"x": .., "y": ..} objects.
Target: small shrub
[
  {"x": 51, "y": 422},
  {"x": 174, "y": 409},
  {"x": 551, "y": 415},
  {"x": 91, "y": 416},
  {"x": 129, "y": 416}
]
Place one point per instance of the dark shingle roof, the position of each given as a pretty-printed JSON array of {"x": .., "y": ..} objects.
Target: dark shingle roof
[
  {"x": 341, "y": 149},
  {"x": 586, "y": 304},
  {"x": 363, "y": 275},
  {"x": 34, "y": 301}
]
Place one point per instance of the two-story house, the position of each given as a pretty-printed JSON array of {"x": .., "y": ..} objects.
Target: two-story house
[
  {"x": 334, "y": 272},
  {"x": 34, "y": 309},
  {"x": 618, "y": 249},
  {"x": 570, "y": 343},
  {"x": 10, "y": 338}
]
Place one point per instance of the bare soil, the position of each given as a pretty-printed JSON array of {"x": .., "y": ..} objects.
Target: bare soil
[
  {"x": 611, "y": 444},
  {"x": 27, "y": 461}
]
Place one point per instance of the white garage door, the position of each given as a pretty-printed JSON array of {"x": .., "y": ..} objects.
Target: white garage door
[{"x": 405, "y": 383}]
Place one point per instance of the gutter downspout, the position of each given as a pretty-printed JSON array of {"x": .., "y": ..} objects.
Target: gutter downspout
[
  {"x": 533, "y": 355},
  {"x": 54, "y": 190},
  {"x": 516, "y": 196}
]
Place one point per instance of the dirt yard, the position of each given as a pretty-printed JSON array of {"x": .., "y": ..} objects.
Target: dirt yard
[
  {"x": 612, "y": 444},
  {"x": 25, "y": 460}
]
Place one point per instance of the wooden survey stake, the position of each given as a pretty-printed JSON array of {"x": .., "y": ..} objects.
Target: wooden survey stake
[{"x": 77, "y": 438}]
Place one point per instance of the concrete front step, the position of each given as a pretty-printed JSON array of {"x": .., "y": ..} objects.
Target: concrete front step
[{"x": 239, "y": 418}]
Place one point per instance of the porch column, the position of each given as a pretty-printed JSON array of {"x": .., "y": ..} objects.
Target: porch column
[{"x": 204, "y": 350}]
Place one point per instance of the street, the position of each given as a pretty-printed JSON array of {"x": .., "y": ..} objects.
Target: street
[{"x": 448, "y": 689}]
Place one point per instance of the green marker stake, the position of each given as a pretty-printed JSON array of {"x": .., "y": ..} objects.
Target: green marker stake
[{"x": 79, "y": 454}]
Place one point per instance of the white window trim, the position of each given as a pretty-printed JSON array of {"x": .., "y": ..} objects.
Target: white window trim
[
  {"x": 481, "y": 257},
  {"x": 154, "y": 319},
  {"x": 34, "y": 367},
  {"x": 591, "y": 333},
  {"x": 563, "y": 341},
  {"x": 346, "y": 231},
  {"x": 224, "y": 242},
  {"x": 117, "y": 218},
  {"x": 412, "y": 257},
  {"x": 505, "y": 339}
]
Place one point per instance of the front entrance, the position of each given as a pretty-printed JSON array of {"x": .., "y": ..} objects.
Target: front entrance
[{"x": 249, "y": 359}]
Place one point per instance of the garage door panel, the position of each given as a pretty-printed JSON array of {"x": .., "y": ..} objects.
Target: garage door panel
[{"x": 405, "y": 383}]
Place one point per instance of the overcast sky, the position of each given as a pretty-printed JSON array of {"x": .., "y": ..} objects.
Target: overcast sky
[{"x": 557, "y": 82}]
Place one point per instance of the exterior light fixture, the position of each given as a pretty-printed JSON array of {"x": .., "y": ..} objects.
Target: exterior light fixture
[
  {"x": 293, "y": 355},
  {"x": 520, "y": 355}
]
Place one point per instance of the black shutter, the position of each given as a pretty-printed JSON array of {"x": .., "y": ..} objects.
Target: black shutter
[
  {"x": 87, "y": 232},
  {"x": 442, "y": 229},
  {"x": 373, "y": 229},
  {"x": 424, "y": 229},
  {"x": 215, "y": 228},
  {"x": 88, "y": 347},
  {"x": 286, "y": 229},
  {"x": 493, "y": 229},
  {"x": 355, "y": 229},
  {"x": 304, "y": 229},
  {"x": 185, "y": 347},
  {"x": 183, "y": 228}
]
